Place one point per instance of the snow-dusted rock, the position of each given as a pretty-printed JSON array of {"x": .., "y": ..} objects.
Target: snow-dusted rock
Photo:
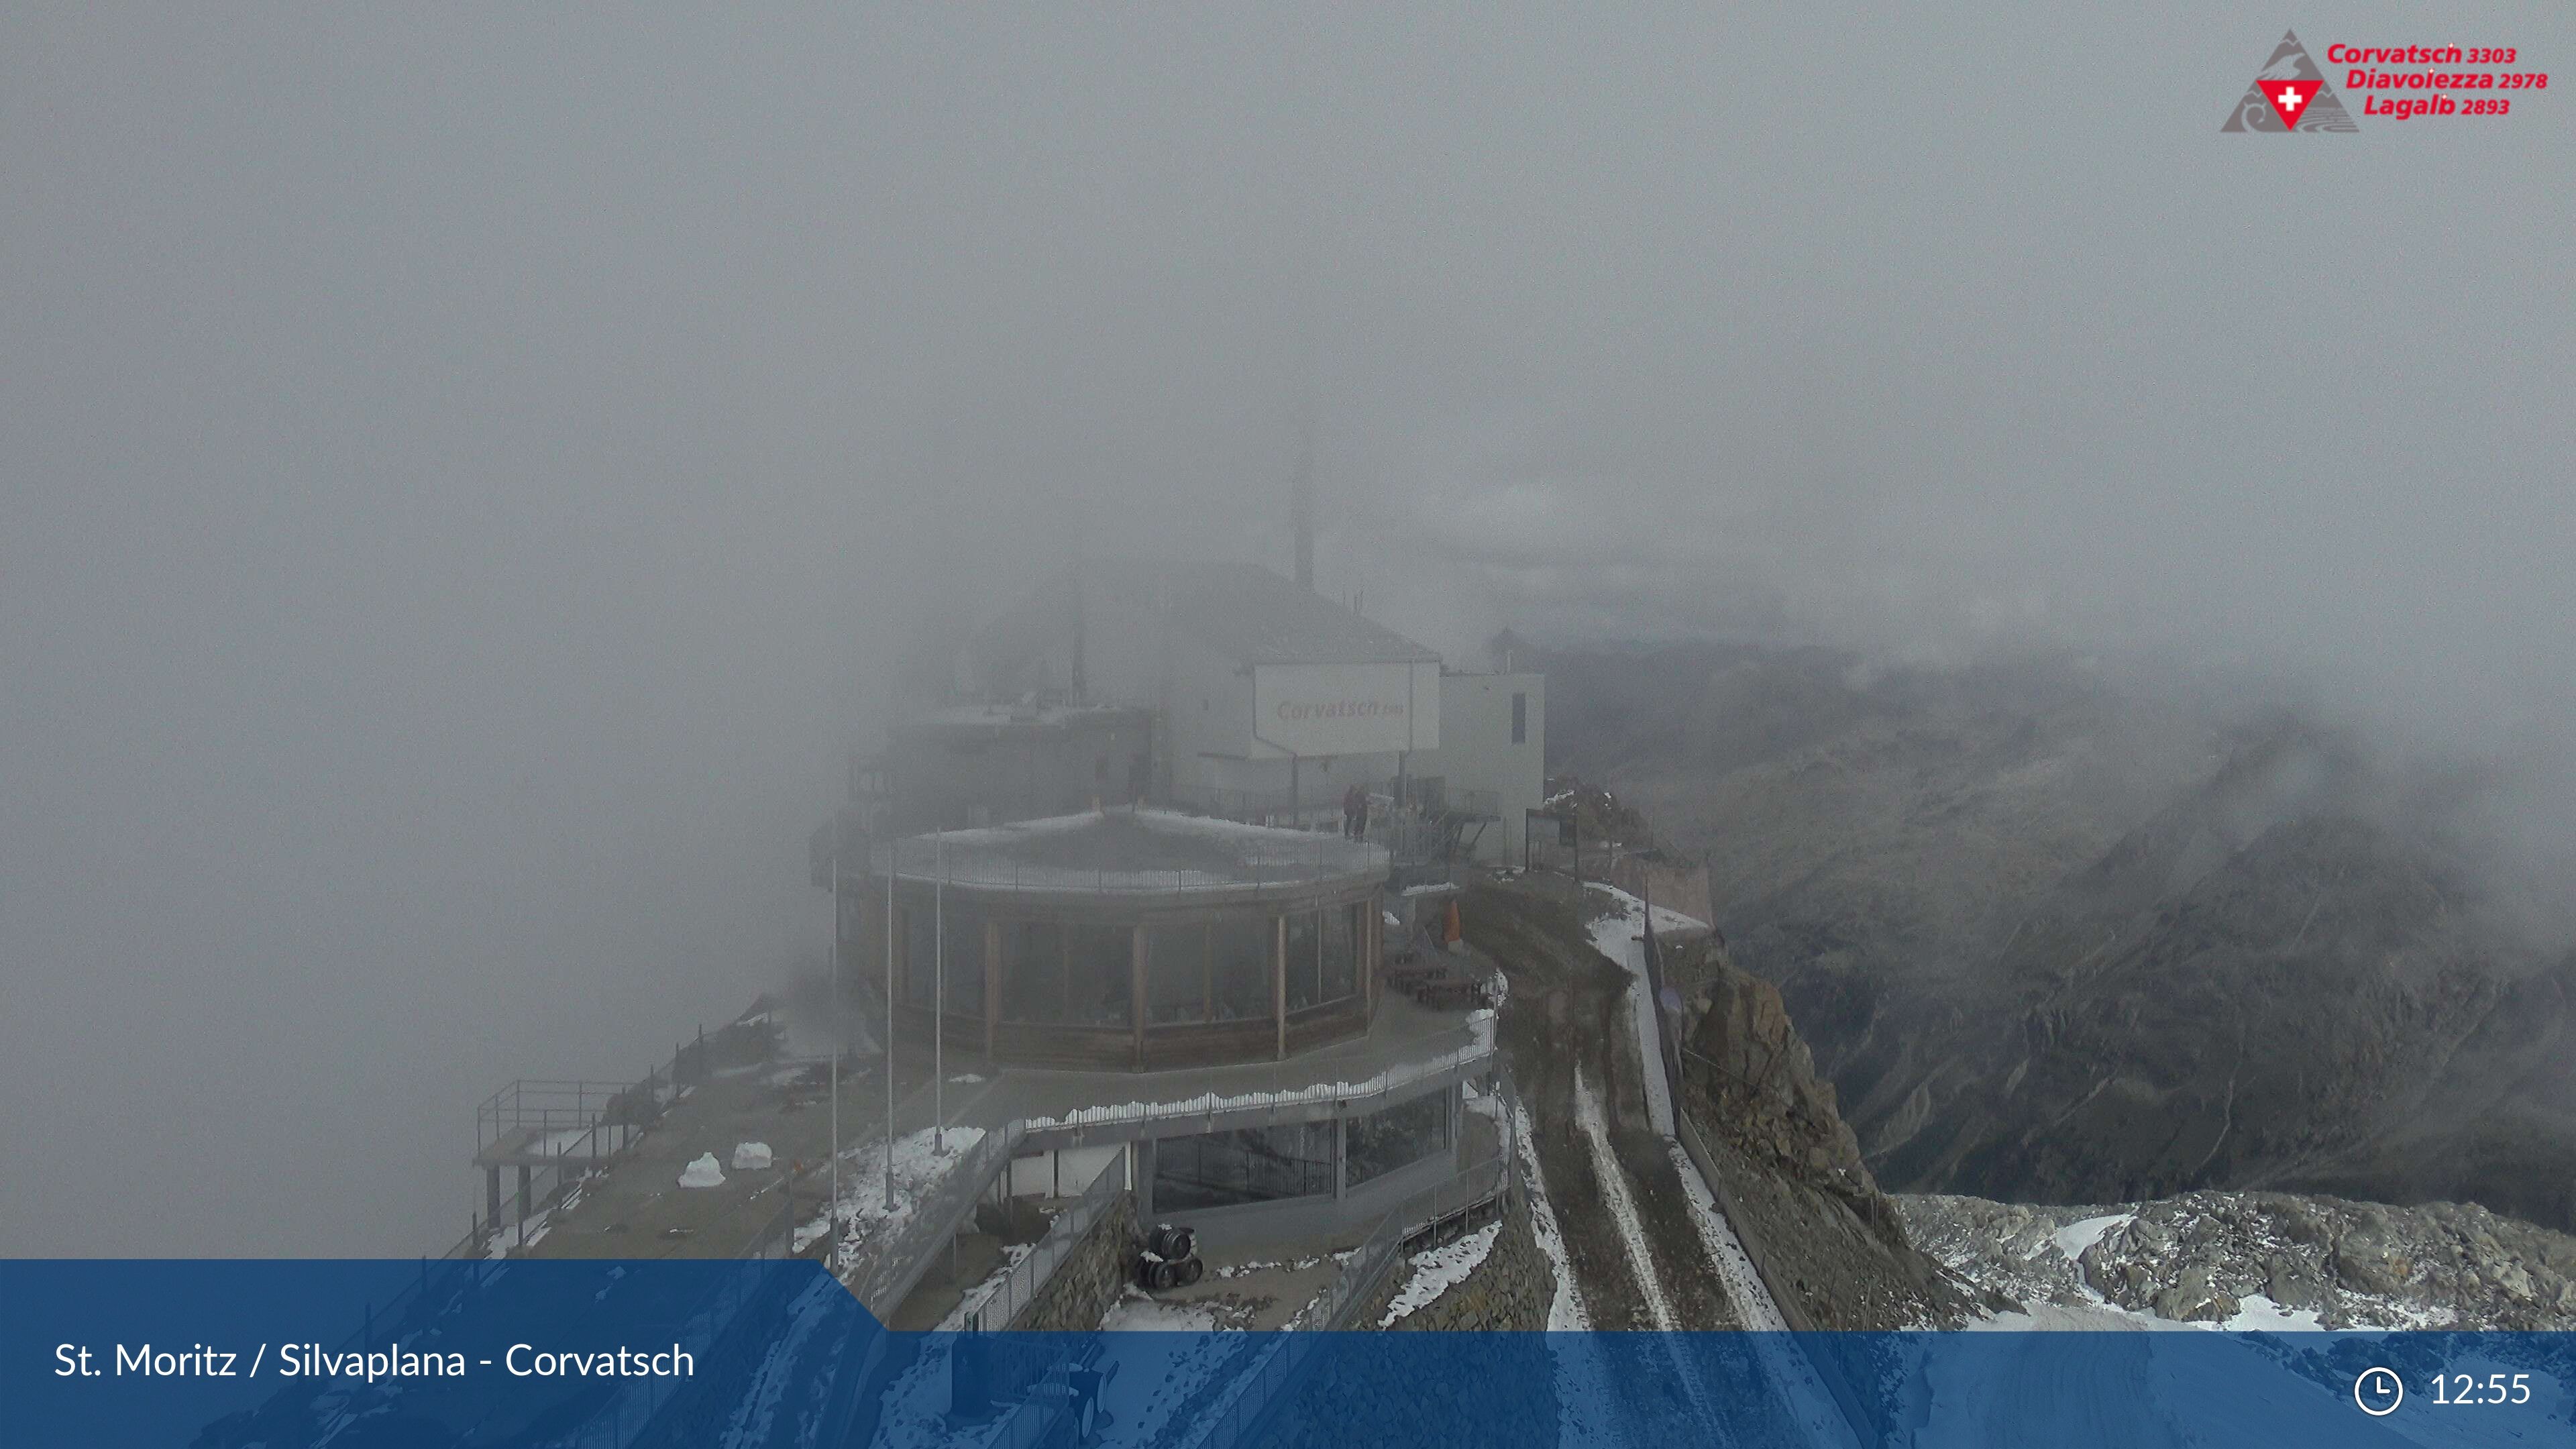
[{"x": 2230, "y": 1258}]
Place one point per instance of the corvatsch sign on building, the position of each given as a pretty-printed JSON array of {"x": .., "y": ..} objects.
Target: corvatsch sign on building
[{"x": 1312, "y": 710}]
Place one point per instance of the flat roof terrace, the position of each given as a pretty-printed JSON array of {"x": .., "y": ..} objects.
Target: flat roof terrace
[
  {"x": 633, "y": 1206},
  {"x": 1131, "y": 851}
]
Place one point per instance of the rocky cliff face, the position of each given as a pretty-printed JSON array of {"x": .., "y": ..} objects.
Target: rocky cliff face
[
  {"x": 2262, "y": 1260},
  {"x": 2056, "y": 941},
  {"x": 1796, "y": 1187}
]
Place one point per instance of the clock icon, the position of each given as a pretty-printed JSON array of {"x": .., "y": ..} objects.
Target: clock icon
[{"x": 2378, "y": 1392}]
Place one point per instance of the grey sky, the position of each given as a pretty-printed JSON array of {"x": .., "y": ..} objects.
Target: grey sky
[{"x": 462, "y": 471}]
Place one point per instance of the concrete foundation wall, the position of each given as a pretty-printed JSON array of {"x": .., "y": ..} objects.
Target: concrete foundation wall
[{"x": 1089, "y": 1280}]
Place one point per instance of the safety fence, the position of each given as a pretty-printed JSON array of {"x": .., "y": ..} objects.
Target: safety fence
[
  {"x": 556, "y": 1133},
  {"x": 1429, "y": 1215},
  {"x": 1462, "y": 1048},
  {"x": 885, "y": 1270},
  {"x": 553, "y": 1133},
  {"x": 1266, "y": 1384},
  {"x": 1231, "y": 858},
  {"x": 1002, "y": 1305}
]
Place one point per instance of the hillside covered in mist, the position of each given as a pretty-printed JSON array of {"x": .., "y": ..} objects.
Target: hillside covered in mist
[{"x": 2060, "y": 939}]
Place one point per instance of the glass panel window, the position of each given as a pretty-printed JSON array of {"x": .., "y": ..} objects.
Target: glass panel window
[
  {"x": 1341, "y": 967},
  {"x": 1033, "y": 975},
  {"x": 1303, "y": 985},
  {"x": 1099, "y": 962},
  {"x": 1400, "y": 1136},
  {"x": 1176, "y": 974},
  {"x": 854, "y": 924},
  {"x": 1257, "y": 1164},
  {"x": 919, "y": 955},
  {"x": 1240, "y": 946},
  {"x": 965, "y": 962}
]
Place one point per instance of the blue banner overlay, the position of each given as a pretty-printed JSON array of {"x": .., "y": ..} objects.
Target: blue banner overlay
[{"x": 371, "y": 1355}]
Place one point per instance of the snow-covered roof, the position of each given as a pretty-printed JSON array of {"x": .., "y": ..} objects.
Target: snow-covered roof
[{"x": 1131, "y": 851}]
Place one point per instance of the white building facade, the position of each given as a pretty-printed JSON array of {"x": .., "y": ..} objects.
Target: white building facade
[{"x": 1272, "y": 700}]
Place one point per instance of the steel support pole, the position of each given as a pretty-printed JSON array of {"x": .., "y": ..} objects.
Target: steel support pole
[
  {"x": 894, "y": 853},
  {"x": 939, "y": 997}
]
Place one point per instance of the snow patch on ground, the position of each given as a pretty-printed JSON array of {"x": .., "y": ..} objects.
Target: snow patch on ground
[
  {"x": 1744, "y": 1287},
  {"x": 1136, "y": 1313},
  {"x": 1438, "y": 1270},
  {"x": 2257, "y": 1313},
  {"x": 806, "y": 1234},
  {"x": 1565, "y": 1311},
  {"x": 920, "y": 1162},
  {"x": 1621, "y": 937},
  {"x": 1623, "y": 1208},
  {"x": 1394, "y": 1076},
  {"x": 1806, "y": 1399},
  {"x": 1633, "y": 912},
  {"x": 1165, "y": 1359},
  {"x": 2075, "y": 1238},
  {"x": 1163, "y": 1354},
  {"x": 975, "y": 1297}
]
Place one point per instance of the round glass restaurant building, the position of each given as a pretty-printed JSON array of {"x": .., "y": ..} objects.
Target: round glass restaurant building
[{"x": 1126, "y": 939}]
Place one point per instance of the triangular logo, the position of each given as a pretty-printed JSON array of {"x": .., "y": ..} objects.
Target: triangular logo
[{"x": 2290, "y": 94}]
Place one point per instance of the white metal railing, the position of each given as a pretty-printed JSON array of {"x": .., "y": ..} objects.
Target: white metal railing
[
  {"x": 1469, "y": 1189},
  {"x": 1366, "y": 1271},
  {"x": 886, "y": 1269},
  {"x": 985, "y": 859},
  {"x": 1475, "y": 1045},
  {"x": 1259, "y": 1389},
  {"x": 889, "y": 1267}
]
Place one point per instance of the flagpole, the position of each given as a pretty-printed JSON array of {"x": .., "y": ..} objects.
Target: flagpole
[
  {"x": 894, "y": 854},
  {"x": 939, "y": 991},
  {"x": 840, "y": 1039}
]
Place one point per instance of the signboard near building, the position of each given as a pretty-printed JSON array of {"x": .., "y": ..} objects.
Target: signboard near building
[{"x": 1315, "y": 710}]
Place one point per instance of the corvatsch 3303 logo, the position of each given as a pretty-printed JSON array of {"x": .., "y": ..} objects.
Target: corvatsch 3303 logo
[{"x": 2289, "y": 94}]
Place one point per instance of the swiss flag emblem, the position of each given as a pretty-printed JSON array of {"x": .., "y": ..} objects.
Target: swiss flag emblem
[{"x": 2289, "y": 98}]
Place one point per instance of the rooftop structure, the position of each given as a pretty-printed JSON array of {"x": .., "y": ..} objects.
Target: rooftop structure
[
  {"x": 1270, "y": 700},
  {"x": 1131, "y": 851},
  {"x": 1123, "y": 940}
]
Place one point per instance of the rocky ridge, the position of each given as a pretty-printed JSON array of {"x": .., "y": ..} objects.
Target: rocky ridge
[
  {"x": 2061, "y": 936},
  {"x": 1790, "y": 1169},
  {"x": 2261, "y": 1260}
]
